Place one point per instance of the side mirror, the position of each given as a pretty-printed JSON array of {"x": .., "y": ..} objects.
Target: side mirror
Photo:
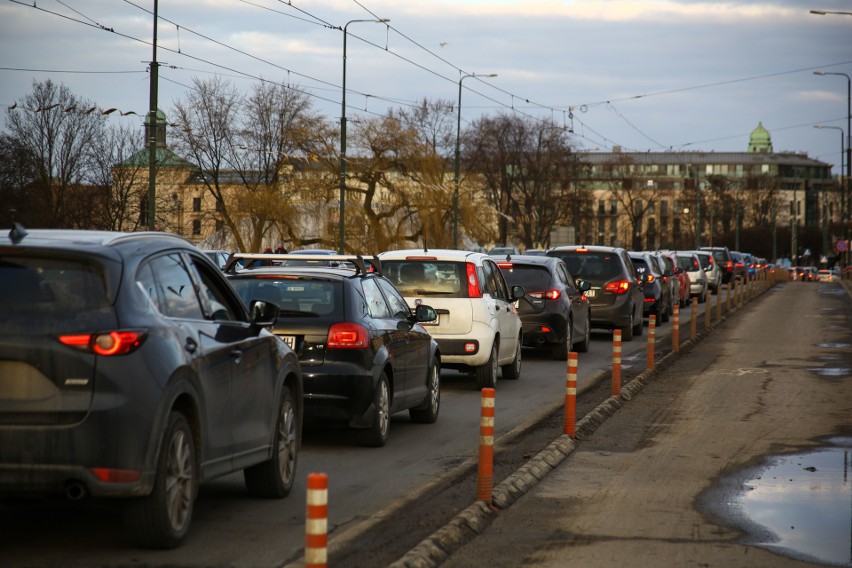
[
  {"x": 518, "y": 292},
  {"x": 263, "y": 314},
  {"x": 424, "y": 313}
]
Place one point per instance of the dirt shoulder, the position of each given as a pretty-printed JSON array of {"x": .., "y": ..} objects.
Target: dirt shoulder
[{"x": 645, "y": 489}]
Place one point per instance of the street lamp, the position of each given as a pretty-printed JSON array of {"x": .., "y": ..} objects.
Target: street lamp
[
  {"x": 341, "y": 247},
  {"x": 456, "y": 168},
  {"x": 848, "y": 193},
  {"x": 824, "y": 216}
]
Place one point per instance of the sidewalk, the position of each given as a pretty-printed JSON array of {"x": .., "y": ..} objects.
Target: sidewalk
[{"x": 629, "y": 490}]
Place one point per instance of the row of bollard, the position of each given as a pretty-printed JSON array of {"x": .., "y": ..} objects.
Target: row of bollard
[{"x": 316, "y": 516}]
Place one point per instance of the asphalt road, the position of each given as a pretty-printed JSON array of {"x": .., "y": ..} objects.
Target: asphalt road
[
  {"x": 382, "y": 502},
  {"x": 653, "y": 484}
]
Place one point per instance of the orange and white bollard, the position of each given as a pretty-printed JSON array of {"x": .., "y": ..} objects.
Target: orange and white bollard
[
  {"x": 571, "y": 395},
  {"x": 316, "y": 521},
  {"x": 652, "y": 339},
  {"x": 485, "y": 472},
  {"x": 676, "y": 329},
  {"x": 718, "y": 305},
  {"x": 616, "y": 362},
  {"x": 708, "y": 311}
]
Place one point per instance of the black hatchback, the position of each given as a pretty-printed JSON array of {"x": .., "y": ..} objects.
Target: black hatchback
[
  {"x": 554, "y": 311},
  {"x": 365, "y": 356},
  {"x": 130, "y": 369}
]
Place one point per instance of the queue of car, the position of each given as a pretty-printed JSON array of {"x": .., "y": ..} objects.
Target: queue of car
[{"x": 153, "y": 366}]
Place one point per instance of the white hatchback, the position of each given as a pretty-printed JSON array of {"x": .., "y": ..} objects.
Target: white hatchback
[{"x": 478, "y": 328}]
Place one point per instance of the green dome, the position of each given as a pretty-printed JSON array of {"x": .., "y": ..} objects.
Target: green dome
[{"x": 760, "y": 140}]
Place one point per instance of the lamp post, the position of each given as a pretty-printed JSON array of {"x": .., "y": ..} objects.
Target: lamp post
[
  {"x": 341, "y": 247},
  {"x": 456, "y": 166},
  {"x": 825, "y": 216},
  {"x": 848, "y": 192}
]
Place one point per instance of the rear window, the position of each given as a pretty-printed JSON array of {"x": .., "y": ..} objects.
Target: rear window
[
  {"x": 688, "y": 263},
  {"x": 532, "y": 278},
  {"x": 294, "y": 296},
  {"x": 428, "y": 277},
  {"x": 641, "y": 265},
  {"x": 705, "y": 260},
  {"x": 53, "y": 292},
  {"x": 590, "y": 265}
]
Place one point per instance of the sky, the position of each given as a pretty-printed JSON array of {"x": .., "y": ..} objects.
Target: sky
[{"x": 643, "y": 75}]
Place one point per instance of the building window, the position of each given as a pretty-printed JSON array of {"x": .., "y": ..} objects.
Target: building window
[
  {"x": 196, "y": 226},
  {"x": 219, "y": 205},
  {"x": 664, "y": 208},
  {"x": 219, "y": 225},
  {"x": 613, "y": 207},
  {"x": 613, "y": 224},
  {"x": 601, "y": 207},
  {"x": 196, "y": 204},
  {"x": 652, "y": 207}
]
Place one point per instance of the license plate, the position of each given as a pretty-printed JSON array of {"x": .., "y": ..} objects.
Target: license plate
[
  {"x": 290, "y": 340},
  {"x": 590, "y": 293}
]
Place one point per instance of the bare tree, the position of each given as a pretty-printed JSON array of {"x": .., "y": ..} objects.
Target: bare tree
[
  {"x": 56, "y": 130},
  {"x": 636, "y": 196},
  {"x": 529, "y": 172},
  {"x": 122, "y": 190}
]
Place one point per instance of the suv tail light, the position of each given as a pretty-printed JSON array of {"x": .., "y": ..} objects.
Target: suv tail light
[
  {"x": 729, "y": 266},
  {"x": 618, "y": 287},
  {"x": 106, "y": 343},
  {"x": 472, "y": 281},
  {"x": 347, "y": 335}
]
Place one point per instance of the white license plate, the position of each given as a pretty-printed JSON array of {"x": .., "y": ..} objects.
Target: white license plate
[
  {"x": 290, "y": 340},
  {"x": 590, "y": 293}
]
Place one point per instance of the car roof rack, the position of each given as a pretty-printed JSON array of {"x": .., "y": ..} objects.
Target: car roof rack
[{"x": 362, "y": 263}]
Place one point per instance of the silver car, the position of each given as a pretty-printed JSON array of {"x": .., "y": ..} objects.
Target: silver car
[
  {"x": 711, "y": 269},
  {"x": 688, "y": 260}
]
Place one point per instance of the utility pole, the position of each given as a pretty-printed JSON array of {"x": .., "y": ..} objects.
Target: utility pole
[{"x": 152, "y": 133}]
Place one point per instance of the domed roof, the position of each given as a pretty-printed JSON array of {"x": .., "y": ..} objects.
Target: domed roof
[{"x": 760, "y": 140}]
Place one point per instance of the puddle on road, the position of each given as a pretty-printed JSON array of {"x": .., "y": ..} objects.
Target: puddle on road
[
  {"x": 833, "y": 372},
  {"x": 803, "y": 502}
]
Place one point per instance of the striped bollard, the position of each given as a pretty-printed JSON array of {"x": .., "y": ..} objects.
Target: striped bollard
[
  {"x": 728, "y": 297},
  {"x": 676, "y": 329},
  {"x": 693, "y": 323},
  {"x": 616, "y": 362},
  {"x": 652, "y": 338},
  {"x": 485, "y": 472},
  {"x": 571, "y": 395},
  {"x": 316, "y": 521}
]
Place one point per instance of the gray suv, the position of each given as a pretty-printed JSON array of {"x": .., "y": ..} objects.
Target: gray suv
[
  {"x": 616, "y": 294},
  {"x": 131, "y": 371}
]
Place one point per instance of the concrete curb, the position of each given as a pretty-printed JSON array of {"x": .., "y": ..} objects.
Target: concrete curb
[{"x": 473, "y": 520}]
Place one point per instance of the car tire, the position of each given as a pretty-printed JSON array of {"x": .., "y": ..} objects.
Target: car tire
[
  {"x": 486, "y": 375},
  {"x": 376, "y": 435},
  {"x": 583, "y": 345},
  {"x": 274, "y": 478},
  {"x": 627, "y": 330},
  {"x": 427, "y": 413},
  {"x": 512, "y": 371},
  {"x": 161, "y": 519},
  {"x": 559, "y": 351},
  {"x": 638, "y": 325}
]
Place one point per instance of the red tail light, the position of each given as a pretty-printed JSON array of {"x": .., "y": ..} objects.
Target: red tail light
[
  {"x": 347, "y": 335},
  {"x": 650, "y": 278},
  {"x": 618, "y": 287},
  {"x": 115, "y": 475},
  {"x": 472, "y": 281},
  {"x": 547, "y": 294},
  {"x": 729, "y": 266},
  {"x": 106, "y": 343}
]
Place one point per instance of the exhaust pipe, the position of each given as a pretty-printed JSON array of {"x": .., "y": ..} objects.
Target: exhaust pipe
[{"x": 75, "y": 491}]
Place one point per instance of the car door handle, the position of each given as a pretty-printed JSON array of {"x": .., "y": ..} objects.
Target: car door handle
[
  {"x": 236, "y": 354},
  {"x": 191, "y": 346}
]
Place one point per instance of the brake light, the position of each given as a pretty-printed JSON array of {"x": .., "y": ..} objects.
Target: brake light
[
  {"x": 581, "y": 249},
  {"x": 650, "y": 278},
  {"x": 618, "y": 287},
  {"x": 504, "y": 264},
  {"x": 472, "y": 281},
  {"x": 547, "y": 294},
  {"x": 729, "y": 266},
  {"x": 347, "y": 335},
  {"x": 107, "y": 343}
]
